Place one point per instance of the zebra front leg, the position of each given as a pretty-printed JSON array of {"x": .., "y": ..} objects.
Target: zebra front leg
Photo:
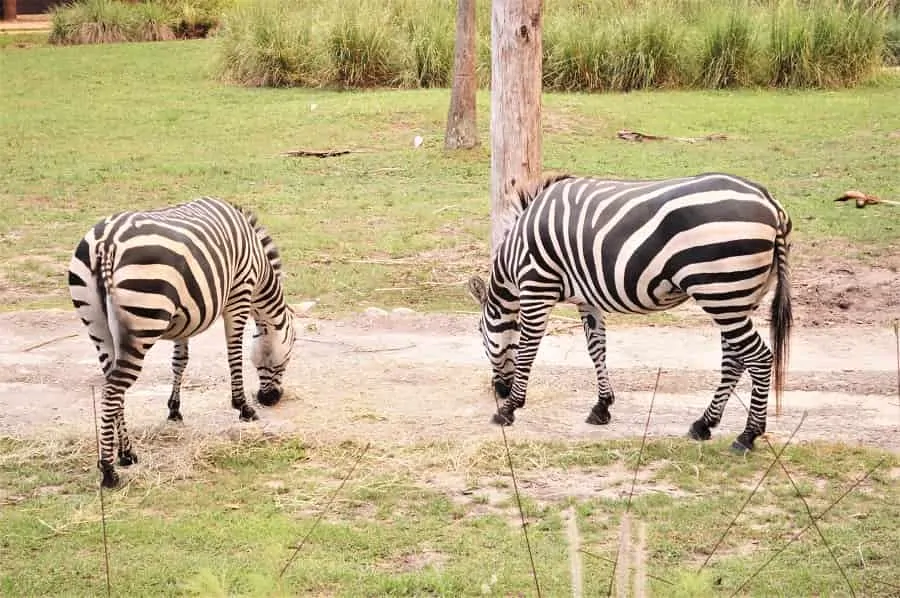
[
  {"x": 595, "y": 334},
  {"x": 179, "y": 363},
  {"x": 235, "y": 320},
  {"x": 732, "y": 369},
  {"x": 533, "y": 317}
]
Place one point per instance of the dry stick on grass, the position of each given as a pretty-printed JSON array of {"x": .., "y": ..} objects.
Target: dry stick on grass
[
  {"x": 308, "y": 153},
  {"x": 629, "y": 135},
  {"x": 512, "y": 474},
  {"x": 752, "y": 493},
  {"x": 574, "y": 538},
  {"x": 49, "y": 342},
  {"x": 324, "y": 509},
  {"x": 637, "y": 468},
  {"x": 796, "y": 536},
  {"x": 102, "y": 503}
]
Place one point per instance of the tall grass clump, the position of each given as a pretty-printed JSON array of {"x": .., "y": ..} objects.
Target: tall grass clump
[
  {"x": 90, "y": 22},
  {"x": 110, "y": 21},
  {"x": 589, "y": 45},
  {"x": 267, "y": 44},
  {"x": 361, "y": 51},
  {"x": 824, "y": 45},
  {"x": 646, "y": 53},
  {"x": 892, "y": 42},
  {"x": 729, "y": 52}
]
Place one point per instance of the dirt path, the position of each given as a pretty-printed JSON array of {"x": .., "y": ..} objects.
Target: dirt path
[{"x": 407, "y": 378}]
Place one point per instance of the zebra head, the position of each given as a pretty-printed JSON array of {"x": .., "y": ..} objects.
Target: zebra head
[
  {"x": 499, "y": 327},
  {"x": 272, "y": 347}
]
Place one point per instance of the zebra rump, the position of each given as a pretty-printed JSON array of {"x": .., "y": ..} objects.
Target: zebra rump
[
  {"x": 641, "y": 246},
  {"x": 169, "y": 274}
]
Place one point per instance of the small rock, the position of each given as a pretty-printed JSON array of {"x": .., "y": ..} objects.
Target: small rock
[
  {"x": 403, "y": 311},
  {"x": 375, "y": 312},
  {"x": 417, "y": 141},
  {"x": 305, "y": 306},
  {"x": 843, "y": 304}
]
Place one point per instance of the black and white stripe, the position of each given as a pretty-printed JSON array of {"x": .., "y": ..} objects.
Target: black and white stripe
[
  {"x": 640, "y": 247},
  {"x": 138, "y": 277}
]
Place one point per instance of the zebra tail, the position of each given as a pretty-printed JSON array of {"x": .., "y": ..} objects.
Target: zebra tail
[
  {"x": 106, "y": 291},
  {"x": 781, "y": 316}
]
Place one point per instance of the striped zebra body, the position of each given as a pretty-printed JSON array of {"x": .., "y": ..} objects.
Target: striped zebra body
[
  {"x": 169, "y": 274},
  {"x": 637, "y": 247}
]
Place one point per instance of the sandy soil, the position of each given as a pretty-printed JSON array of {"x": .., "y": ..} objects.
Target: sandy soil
[{"x": 404, "y": 377}]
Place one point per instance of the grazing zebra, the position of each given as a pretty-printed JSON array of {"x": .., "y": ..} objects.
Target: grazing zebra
[
  {"x": 639, "y": 247},
  {"x": 138, "y": 277}
]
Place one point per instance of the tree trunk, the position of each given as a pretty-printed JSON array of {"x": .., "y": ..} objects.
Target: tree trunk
[
  {"x": 462, "y": 130},
  {"x": 9, "y": 10},
  {"x": 516, "y": 60}
]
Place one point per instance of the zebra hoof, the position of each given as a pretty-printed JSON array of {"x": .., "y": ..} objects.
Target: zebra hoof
[
  {"x": 175, "y": 416},
  {"x": 699, "y": 431},
  {"x": 738, "y": 448},
  {"x": 248, "y": 414},
  {"x": 502, "y": 389},
  {"x": 269, "y": 396},
  {"x": 503, "y": 419},
  {"x": 599, "y": 416},
  {"x": 110, "y": 477},
  {"x": 127, "y": 458}
]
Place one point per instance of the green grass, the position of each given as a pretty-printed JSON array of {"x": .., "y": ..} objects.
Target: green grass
[
  {"x": 221, "y": 519},
  {"x": 91, "y": 130}
]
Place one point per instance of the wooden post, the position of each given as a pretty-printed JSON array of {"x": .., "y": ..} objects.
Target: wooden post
[
  {"x": 462, "y": 129},
  {"x": 516, "y": 61},
  {"x": 9, "y": 10}
]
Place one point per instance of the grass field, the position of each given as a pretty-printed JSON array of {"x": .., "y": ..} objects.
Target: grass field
[
  {"x": 440, "y": 520},
  {"x": 93, "y": 130},
  {"x": 90, "y": 130}
]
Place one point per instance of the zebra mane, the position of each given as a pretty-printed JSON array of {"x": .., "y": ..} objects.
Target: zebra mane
[
  {"x": 529, "y": 191},
  {"x": 265, "y": 239}
]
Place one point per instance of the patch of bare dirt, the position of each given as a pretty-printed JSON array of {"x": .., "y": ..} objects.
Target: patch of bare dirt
[{"x": 831, "y": 287}]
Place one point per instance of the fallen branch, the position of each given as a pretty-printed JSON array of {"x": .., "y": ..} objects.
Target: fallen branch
[
  {"x": 864, "y": 199},
  {"x": 49, "y": 342},
  {"x": 629, "y": 135},
  {"x": 304, "y": 153}
]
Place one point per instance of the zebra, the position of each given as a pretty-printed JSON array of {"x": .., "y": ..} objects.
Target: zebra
[
  {"x": 635, "y": 247},
  {"x": 140, "y": 276}
]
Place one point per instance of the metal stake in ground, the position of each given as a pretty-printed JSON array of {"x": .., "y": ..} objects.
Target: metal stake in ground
[
  {"x": 102, "y": 504},
  {"x": 512, "y": 474}
]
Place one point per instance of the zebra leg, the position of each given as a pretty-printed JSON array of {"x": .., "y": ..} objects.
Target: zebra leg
[
  {"x": 179, "y": 362},
  {"x": 235, "y": 320},
  {"x": 533, "y": 317},
  {"x": 112, "y": 415},
  {"x": 732, "y": 369},
  {"x": 595, "y": 333},
  {"x": 758, "y": 359}
]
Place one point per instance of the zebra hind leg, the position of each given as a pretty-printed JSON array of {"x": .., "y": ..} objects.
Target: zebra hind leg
[
  {"x": 758, "y": 359},
  {"x": 179, "y": 363},
  {"x": 595, "y": 334},
  {"x": 732, "y": 369}
]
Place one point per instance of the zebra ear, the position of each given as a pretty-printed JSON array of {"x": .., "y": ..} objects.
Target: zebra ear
[{"x": 477, "y": 289}]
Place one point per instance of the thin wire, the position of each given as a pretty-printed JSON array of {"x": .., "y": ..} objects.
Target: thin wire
[
  {"x": 637, "y": 468},
  {"x": 512, "y": 473},
  {"x": 752, "y": 492},
  {"x": 609, "y": 560},
  {"x": 102, "y": 503},
  {"x": 324, "y": 509},
  {"x": 796, "y": 536}
]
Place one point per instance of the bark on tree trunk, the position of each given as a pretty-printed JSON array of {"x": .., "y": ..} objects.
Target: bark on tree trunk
[
  {"x": 462, "y": 129},
  {"x": 516, "y": 59},
  {"x": 9, "y": 10}
]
